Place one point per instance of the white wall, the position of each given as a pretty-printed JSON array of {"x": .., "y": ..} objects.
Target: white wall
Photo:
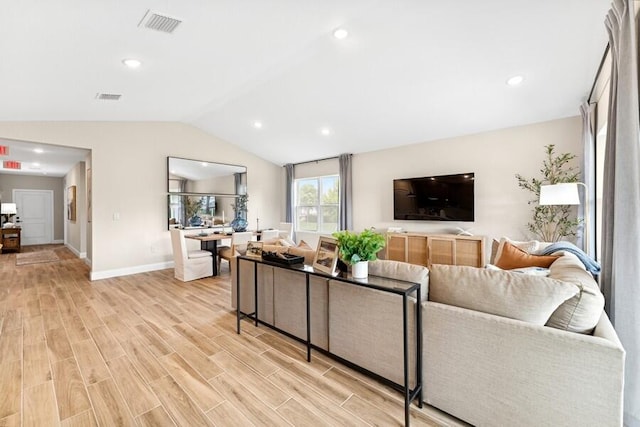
[
  {"x": 129, "y": 173},
  {"x": 76, "y": 231},
  {"x": 495, "y": 157}
]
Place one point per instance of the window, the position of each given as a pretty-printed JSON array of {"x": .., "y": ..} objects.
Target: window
[{"x": 317, "y": 203}]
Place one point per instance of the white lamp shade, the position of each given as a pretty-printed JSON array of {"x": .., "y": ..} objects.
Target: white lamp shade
[
  {"x": 559, "y": 194},
  {"x": 8, "y": 209}
]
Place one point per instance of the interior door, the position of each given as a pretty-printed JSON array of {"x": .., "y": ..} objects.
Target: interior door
[{"x": 35, "y": 209}]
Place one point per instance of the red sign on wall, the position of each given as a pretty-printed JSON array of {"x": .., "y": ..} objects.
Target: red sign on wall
[
  {"x": 10, "y": 164},
  {"x": 4, "y": 150}
]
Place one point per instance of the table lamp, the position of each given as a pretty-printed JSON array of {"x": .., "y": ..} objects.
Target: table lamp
[{"x": 7, "y": 210}]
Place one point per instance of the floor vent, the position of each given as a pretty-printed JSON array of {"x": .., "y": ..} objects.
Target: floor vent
[
  {"x": 108, "y": 96},
  {"x": 159, "y": 22}
]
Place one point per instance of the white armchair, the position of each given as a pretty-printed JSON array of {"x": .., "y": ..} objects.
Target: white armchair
[{"x": 189, "y": 265}]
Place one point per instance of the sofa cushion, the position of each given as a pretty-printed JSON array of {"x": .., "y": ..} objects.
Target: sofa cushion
[
  {"x": 581, "y": 312},
  {"x": 512, "y": 256},
  {"x": 518, "y": 296}
]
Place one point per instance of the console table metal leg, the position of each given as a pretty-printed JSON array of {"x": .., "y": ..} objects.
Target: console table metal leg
[
  {"x": 237, "y": 293},
  {"x": 255, "y": 290},
  {"x": 405, "y": 338},
  {"x": 419, "y": 346},
  {"x": 308, "y": 320}
]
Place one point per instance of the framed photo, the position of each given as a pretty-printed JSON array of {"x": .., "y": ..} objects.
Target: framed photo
[
  {"x": 254, "y": 249},
  {"x": 326, "y": 255},
  {"x": 71, "y": 203}
]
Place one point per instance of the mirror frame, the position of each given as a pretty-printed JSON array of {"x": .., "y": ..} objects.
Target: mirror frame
[{"x": 218, "y": 196}]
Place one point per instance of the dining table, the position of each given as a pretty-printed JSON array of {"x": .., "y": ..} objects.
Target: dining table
[{"x": 209, "y": 242}]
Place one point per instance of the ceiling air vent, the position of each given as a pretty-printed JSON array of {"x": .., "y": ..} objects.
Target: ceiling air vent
[
  {"x": 108, "y": 96},
  {"x": 159, "y": 22}
]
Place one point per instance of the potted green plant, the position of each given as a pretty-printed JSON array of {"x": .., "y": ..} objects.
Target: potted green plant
[
  {"x": 552, "y": 222},
  {"x": 357, "y": 249}
]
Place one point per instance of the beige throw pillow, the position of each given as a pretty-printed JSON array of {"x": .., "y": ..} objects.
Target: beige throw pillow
[
  {"x": 517, "y": 296},
  {"x": 582, "y": 312}
]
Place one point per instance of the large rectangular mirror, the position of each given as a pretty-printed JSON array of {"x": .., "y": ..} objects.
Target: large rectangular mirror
[
  {"x": 200, "y": 177},
  {"x": 201, "y": 194}
]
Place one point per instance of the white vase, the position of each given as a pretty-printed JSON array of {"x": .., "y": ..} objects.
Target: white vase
[{"x": 360, "y": 270}]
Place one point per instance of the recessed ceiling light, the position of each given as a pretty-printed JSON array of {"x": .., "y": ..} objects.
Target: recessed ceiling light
[
  {"x": 340, "y": 33},
  {"x": 38, "y": 150},
  {"x": 204, "y": 164},
  {"x": 257, "y": 124},
  {"x": 325, "y": 131},
  {"x": 132, "y": 63},
  {"x": 515, "y": 80}
]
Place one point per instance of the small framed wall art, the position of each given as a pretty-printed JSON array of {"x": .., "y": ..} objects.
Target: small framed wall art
[{"x": 326, "y": 257}]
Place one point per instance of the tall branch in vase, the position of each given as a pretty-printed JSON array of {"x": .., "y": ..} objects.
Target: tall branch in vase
[{"x": 552, "y": 222}]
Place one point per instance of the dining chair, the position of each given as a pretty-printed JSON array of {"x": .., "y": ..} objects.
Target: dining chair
[
  {"x": 269, "y": 235},
  {"x": 238, "y": 245},
  {"x": 189, "y": 265}
]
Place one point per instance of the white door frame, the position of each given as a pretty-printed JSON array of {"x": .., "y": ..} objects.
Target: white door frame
[{"x": 50, "y": 219}]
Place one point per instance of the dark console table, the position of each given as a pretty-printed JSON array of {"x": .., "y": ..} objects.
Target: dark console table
[{"x": 398, "y": 287}]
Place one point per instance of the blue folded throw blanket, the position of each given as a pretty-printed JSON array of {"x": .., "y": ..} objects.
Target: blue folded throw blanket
[{"x": 590, "y": 264}]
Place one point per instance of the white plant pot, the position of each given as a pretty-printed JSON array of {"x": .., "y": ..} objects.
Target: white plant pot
[{"x": 360, "y": 270}]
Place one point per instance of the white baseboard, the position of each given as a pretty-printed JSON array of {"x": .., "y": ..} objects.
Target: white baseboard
[
  {"x": 57, "y": 242},
  {"x": 87, "y": 261},
  {"x": 77, "y": 253},
  {"x": 97, "y": 275}
]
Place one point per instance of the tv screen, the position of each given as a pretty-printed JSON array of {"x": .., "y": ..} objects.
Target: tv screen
[{"x": 434, "y": 198}]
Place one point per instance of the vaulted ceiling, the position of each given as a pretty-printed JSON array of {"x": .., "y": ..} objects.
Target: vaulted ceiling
[{"x": 409, "y": 71}]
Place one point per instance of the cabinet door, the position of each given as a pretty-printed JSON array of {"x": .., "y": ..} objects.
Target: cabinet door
[
  {"x": 469, "y": 252},
  {"x": 396, "y": 247},
  {"x": 442, "y": 250},
  {"x": 417, "y": 250}
]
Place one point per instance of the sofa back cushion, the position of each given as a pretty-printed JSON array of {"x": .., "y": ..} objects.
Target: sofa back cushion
[
  {"x": 517, "y": 296},
  {"x": 582, "y": 312},
  {"x": 402, "y": 271}
]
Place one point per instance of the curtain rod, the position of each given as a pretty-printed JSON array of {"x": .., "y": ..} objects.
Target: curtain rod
[
  {"x": 316, "y": 161},
  {"x": 595, "y": 80}
]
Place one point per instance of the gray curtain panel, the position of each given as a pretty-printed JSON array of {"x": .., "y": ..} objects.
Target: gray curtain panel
[
  {"x": 587, "y": 230},
  {"x": 346, "y": 209},
  {"x": 621, "y": 200},
  {"x": 289, "y": 168}
]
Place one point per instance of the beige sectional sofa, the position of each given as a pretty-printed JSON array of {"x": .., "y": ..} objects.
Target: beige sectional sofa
[{"x": 481, "y": 362}]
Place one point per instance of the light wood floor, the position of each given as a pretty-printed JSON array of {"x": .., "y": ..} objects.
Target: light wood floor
[{"x": 150, "y": 350}]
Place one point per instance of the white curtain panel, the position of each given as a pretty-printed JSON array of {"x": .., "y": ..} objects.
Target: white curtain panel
[
  {"x": 589, "y": 178},
  {"x": 621, "y": 200}
]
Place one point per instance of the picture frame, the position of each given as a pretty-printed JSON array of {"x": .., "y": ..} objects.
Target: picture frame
[
  {"x": 326, "y": 258},
  {"x": 71, "y": 203},
  {"x": 254, "y": 249}
]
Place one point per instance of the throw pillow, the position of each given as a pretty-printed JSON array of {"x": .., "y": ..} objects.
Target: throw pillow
[
  {"x": 304, "y": 245},
  {"x": 582, "y": 312},
  {"x": 530, "y": 246},
  {"x": 513, "y": 257},
  {"x": 517, "y": 296}
]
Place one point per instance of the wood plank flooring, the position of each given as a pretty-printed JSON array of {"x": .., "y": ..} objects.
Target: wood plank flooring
[{"x": 150, "y": 350}]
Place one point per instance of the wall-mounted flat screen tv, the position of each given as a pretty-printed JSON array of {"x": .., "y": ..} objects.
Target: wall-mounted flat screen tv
[{"x": 434, "y": 198}]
